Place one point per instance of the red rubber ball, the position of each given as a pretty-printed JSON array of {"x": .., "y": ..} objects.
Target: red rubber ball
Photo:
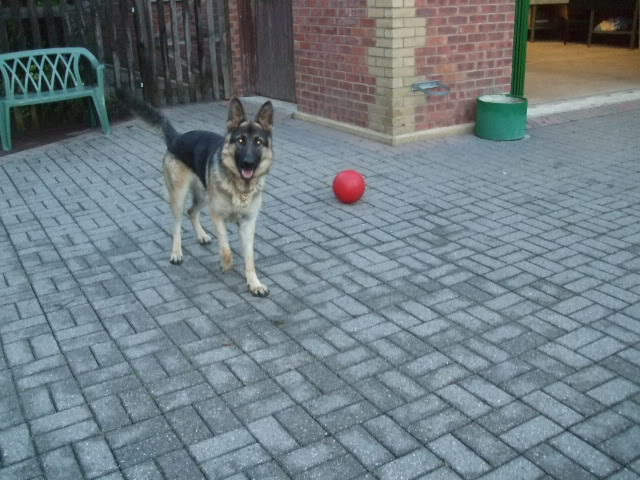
[{"x": 349, "y": 186}]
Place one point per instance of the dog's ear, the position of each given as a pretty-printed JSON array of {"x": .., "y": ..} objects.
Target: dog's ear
[
  {"x": 265, "y": 116},
  {"x": 236, "y": 114}
]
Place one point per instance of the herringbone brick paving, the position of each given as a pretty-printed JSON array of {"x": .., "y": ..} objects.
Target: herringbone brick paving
[{"x": 476, "y": 315}]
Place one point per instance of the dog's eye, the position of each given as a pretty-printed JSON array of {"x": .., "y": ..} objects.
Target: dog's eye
[
  {"x": 241, "y": 140},
  {"x": 258, "y": 141}
]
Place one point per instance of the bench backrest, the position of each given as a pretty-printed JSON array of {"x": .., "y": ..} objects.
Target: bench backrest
[{"x": 46, "y": 70}]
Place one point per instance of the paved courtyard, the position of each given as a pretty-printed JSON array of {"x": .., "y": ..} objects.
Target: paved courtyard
[{"x": 476, "y": 315}]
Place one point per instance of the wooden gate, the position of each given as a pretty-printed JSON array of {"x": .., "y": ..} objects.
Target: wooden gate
[
  {"x": 275, "y": 77},
  {"x": 170, "y": 51}
]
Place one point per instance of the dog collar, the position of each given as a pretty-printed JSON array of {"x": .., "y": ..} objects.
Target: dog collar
[{"x": 244, "y": 197}]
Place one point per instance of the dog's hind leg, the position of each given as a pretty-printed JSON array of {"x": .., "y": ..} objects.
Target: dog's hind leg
[
  {"x": 178, "y": 180},
  {"x": 199, "y": 202},
  {"x": 226, "y": 258},
  {"x": 247, "y": 233}
]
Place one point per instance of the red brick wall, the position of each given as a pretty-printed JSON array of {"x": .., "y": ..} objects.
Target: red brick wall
[
  {"x": 469, "y": 47},
  {"x": 331, "y": 40}
]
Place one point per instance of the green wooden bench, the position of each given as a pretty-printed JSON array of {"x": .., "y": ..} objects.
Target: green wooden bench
[{"x": 43, "y": 76}]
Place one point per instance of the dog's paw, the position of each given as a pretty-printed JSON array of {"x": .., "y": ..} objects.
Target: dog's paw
[
  {"x": 204, "y": 240},
  {"x": 176, "y": 259},
  {"x": 259, "y": 290},
  {"x": 226, "y": 260}
]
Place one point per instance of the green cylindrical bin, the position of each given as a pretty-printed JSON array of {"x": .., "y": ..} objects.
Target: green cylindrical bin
[{"x": 501, "y": 117}]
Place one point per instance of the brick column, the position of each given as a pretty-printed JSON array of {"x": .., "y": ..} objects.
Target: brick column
[{"x": 399, "y": 31}]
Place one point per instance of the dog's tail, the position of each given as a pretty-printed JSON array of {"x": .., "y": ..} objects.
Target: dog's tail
[{"x": 149, "y": 114}]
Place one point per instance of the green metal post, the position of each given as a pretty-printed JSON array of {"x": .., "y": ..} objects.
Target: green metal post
[{"x": 520, "y": 35}]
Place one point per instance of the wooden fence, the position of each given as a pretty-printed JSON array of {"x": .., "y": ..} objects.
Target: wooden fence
[{"x": 167, "y": 51}]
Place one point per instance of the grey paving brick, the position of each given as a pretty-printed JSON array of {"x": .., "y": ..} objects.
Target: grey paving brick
[
  {"x": 518, "y": 468},
  {"x": 589, "y": 378},
  {"x": 188, "y": 425},
  {"x": 530, "y": 433},
  {"x": 272, "y": 436},
  {"x": 383, "y": 398},
  {"x": 613, "y": 391},
  {"x": 556, "y": 464},
  {"x": 61, "y": 464},
  {"x": 346, "y": 467},
  {"x": 485, "y": 444},
  {"x": 624, "y": 447},
  {"x": 138, "y": 404},
  {"x": 36, "y": 402},
  {"x": 178, "y": 465},
  {"x": 411, "y": 465},
  {"x": 553, "y": 409},
  {"x": 438, "y": 424},
  {"x": 221, "y": 444},
  {"x": 300, "y": 425},
  {"x": 66, "y": 435},
  {"x": 26, "y": 470},
  {"x": 507, "y": 417},
  {"x": 585, "y": 455},
  {"x": 217, "y": 415},
  {"x": 15, "y": 444},
  {"x": 266, "y": 470},
  {"x": 364, "y": 447},
  {"x": 143, "y": 471},
  {"x": 311, "y": 455},
  {"x": 572, "y": 398},
  {"x": 95, "y": 457},
  {"x": 61, "y": 419},
  {"x": 66, "y": 394},
  {"x": 464, "y": 401},
  {"x": 391, "y": 435},
  {"x": 488, "y": 392},
  {"x": 458, "y": 456}
]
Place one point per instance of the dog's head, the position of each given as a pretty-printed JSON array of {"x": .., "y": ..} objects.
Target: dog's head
[{"x": 249, "y": 140}]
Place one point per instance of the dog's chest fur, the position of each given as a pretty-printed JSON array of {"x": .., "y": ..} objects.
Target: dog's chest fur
[{"x": 230, "y": 201}]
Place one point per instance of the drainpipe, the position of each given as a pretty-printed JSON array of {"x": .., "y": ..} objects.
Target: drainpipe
[{"x": 520, "y": 36}]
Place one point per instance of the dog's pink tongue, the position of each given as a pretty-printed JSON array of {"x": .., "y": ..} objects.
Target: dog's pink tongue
[{"x": 247, "y": 173}]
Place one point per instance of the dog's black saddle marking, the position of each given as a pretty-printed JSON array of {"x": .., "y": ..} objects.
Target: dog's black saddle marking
[{"x": 196, "y": 149}]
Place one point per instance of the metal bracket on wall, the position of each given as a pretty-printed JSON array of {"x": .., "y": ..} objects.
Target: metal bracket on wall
[{"x": 432, "y": 87}]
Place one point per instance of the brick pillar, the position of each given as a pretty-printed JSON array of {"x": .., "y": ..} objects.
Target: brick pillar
[{"x": 399, "y": 31}]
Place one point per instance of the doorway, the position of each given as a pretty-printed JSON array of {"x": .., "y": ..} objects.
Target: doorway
[{"x": 267, "y": 48}]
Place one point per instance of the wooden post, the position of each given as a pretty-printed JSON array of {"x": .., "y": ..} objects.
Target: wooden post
[
  {"x": 177, "y": 56},
  {"x": 111, "y": 22},
  {"x": 142, "y": 49},
  {"x": 52, "y": 36},
  {"x": 124, "y": 12},
  {"x": 82, "y": 26},
  {"x": 187, "y": 10},
  {"x": 212, "y": 50},
  {"x": 202, "y": 66},
  {"x": 15, "y": 11},
  {"x": 164, "y": 54},
  {"x": 4, "y": 38},
  {"x": 224, "y": 59},
  {"x": 153, "y": 87},
  {"x": 64, "y": 16},
  {"x": 97, "y": 29},
  {"x": 35, "y": 24}
]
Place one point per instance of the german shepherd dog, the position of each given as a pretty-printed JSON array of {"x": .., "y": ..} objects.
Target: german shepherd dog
[{"x": 226, "y": 173}]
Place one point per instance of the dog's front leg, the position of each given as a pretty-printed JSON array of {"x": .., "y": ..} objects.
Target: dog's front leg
[
  {"x": 247, "y": 232},
  {"x": 226, "y": 258}
]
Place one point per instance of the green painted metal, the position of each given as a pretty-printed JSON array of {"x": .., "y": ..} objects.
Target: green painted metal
[
  {"x": 520, "y": 35},
  {"x": 47, "y": 75},
  {"x": 501, "y": 117}
]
